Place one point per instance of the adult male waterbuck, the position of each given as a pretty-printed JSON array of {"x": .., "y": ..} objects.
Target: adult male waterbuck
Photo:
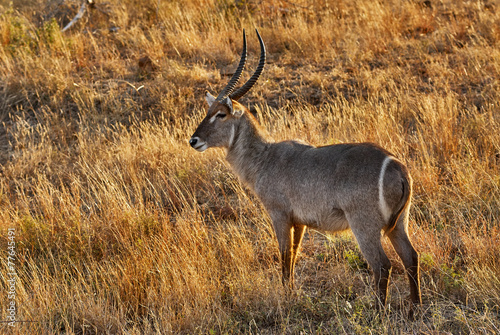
[{"x": 332, "y": 188}]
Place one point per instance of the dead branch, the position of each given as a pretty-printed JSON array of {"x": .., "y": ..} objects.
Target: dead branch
[{"x": 77, "y": 17}]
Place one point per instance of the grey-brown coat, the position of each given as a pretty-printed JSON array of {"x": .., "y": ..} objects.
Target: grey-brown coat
[{"x": 358, "y": 186}]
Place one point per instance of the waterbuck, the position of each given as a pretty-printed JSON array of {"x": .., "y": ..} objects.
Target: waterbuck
[{"x": 331, "y": 188}]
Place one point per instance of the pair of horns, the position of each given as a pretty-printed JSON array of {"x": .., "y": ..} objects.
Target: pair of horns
[{"x": 228, "y": 90}]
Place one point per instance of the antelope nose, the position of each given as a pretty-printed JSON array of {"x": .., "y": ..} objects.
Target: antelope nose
[{"x": 193, "y": 141}]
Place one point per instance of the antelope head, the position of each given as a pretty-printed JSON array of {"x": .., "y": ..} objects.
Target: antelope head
[{"x": 218, "y": 127}]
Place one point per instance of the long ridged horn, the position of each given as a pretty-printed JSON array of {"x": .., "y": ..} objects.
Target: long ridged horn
[
  {"x": 253, "y": 79},
  {"x": 236, "y": 76}
]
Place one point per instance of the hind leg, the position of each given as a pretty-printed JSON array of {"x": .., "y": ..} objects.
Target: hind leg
[
  {"x": 369, "y": 240},
  {"x": 409, "y": 256}
]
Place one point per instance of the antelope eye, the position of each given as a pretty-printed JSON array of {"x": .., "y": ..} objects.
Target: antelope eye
[{"x": 221, "y": 115}]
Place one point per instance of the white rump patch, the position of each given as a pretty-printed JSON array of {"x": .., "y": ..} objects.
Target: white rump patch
[{"x": 384, "y": 208}]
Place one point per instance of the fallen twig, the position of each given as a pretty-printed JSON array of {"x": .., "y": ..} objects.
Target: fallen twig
[{"x": 77, "y": 17}]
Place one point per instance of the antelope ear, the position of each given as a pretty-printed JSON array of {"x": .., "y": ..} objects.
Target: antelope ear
[
  {"x": 234, "y": 111},
  {"x": 229, "y": 104},
  {"x": 237, "y": 112},
  {"x": 210, "y": 99}
]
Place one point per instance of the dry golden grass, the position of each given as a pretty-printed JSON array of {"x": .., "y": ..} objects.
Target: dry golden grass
[{"x": 121, "y": 228}]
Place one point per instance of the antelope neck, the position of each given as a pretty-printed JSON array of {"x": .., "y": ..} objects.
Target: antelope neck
[{"x": 246, "y": 152}]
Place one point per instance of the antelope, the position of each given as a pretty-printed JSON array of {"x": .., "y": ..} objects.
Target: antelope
[{"x": 357, "y": 186}]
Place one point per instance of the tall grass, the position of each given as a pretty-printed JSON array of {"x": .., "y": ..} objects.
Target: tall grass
[{"x": 120, "y": 227}]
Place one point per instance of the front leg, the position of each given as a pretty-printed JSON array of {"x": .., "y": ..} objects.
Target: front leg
[
  {"x": 297, "y": 233},
  {"x": 283, "y": 229}
]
